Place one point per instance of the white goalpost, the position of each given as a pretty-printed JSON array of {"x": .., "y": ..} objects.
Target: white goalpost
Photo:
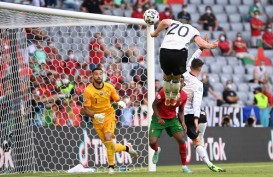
[{"x": 45, "y": 59}]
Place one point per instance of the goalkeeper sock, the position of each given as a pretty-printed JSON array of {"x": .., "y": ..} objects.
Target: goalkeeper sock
[
  {"x": 167, "y": 86},
  {"x": 120, "y": 148},
  {"x": 203, "y": 154},
  {"x": 183, "y": 153},
  {"x": 175, "y": 89},
  {"x": 154, "y": 147},
  {"x": 110, "y": 147}
]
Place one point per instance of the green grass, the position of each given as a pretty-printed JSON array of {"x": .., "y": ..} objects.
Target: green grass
[{"x": 233, "y": 170}]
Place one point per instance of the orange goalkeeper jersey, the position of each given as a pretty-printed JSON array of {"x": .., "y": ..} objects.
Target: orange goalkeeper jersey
[{"x": 99, "y": 100}]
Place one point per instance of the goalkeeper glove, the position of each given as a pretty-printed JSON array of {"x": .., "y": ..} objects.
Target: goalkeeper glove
[
  {"x": 122, "y": 104},
  {"x": 99, "y": 117}
]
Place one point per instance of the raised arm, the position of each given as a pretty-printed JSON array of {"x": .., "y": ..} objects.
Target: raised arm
[
  {"x": 204, "y": 44},
  {"x": 162, "y": 26}
]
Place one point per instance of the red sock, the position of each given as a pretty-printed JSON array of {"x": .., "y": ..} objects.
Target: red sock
[
  {"x": 154, "y": 147},
  {"x": 183, "y": 153}
]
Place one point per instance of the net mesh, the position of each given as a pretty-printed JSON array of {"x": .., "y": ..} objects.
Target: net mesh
[{"x": 45, "y": 67}]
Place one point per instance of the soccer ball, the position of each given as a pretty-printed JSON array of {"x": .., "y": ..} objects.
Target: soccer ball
[{"x": 151, "y": 16}]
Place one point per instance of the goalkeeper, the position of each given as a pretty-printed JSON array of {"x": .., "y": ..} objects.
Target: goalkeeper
[{"x": 97, "y": 105}]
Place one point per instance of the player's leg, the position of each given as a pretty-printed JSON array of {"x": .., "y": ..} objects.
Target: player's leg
[
  {"x": 175, "y": 89},
  {"x": 154, "y": 133},
  {"x": 202, "y": 125},
  {"x": 166, "y": 66},
  {"x": 176, "y": 130}
]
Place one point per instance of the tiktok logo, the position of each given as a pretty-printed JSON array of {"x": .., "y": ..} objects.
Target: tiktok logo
[
  {"x": 83, "y": 149},
  {"x": 270, "y": 146}
]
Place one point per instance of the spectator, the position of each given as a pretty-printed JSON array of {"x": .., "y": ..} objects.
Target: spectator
[
  {"x": 39, "y": 54},
  {"x": 57, "y": 64},
  {"x": 126, "y": 115},
  {"x": 112, "y": 57},
  {"x": 261, "y": 101},
  {"x": 268, "y": 37},
  {"x": 240, "y": 48},
  {"x": 71, "y": 64},
  {"x": 261, "y": 58},
  {"x": 251, "y": 12},
  {"x": 207, "y": 88},
  {"x": 138, "y": 12},
  {"x": 36, "y": 34},
  {"x": 92, "y": 6},
  {"x": 266, "y": 91},
  {"x": 119, "y": 46},
  {"x": 38, "y": 3},
  {"x": 66, "y": 87},
  {"x": 128, "y": 57},
  {"x": 226, "y": 121},
  {"x": 108, "y": 4},
  {"x": 71, "y": 4},
  {"x": 257, "y": 26},
  {"x": 97, "y": 50},
  {"x": 209, "y": 21},
  {"x": 184, "y": 14},
  {"x": 250, "y": 122},
  {"x": 225, "y": 45},
  {"x": 144, "y": 4},
  {"x": 131, "y": 89},
  {"x": 139, "y": 72},
  {"x": 166, "y": 14},
  {"x": 157, "y": 85},
  {"x": 260, "y": 74},
  {"x": 229, "y": 95},
  {"x": 50, "y": 50},
  {"x": 117, "y": 79}
]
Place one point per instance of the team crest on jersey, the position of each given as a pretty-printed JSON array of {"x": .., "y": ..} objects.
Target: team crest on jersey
[
  {"x": 107, "y": 92},
  {"x": 84, "y": 100},
  {"x": 158, "y": 96},
  {"x": 101, "y": 93}
]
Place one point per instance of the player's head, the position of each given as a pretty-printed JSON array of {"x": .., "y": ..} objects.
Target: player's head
[
  {"x": 196, "y": 66},
  {"x": 97, "y": 75}
]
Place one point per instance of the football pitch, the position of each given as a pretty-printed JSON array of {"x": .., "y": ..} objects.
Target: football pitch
[{"x": 233, "y": 170}]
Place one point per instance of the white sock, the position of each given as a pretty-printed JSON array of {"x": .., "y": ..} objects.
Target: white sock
[
  {"x": 167, "y": 86},
  {"x": 202, "y": 128},
  {"x": 203, "y": 154},
  {"x": 175, "y": 89}
]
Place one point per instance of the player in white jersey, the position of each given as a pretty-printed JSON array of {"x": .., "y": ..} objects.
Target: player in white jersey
[
  {"x": 174, "y": 53},
  {"x": 194, "y": 89}
]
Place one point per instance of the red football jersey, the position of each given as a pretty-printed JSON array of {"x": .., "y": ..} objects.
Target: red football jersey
[{"x": 169, "y": 112}]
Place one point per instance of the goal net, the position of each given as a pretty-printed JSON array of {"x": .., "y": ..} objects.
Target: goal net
[{"x": 46, "y": 56}]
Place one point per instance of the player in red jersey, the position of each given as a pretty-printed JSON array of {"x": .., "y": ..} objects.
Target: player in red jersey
[{"x": 165, "y": 117}]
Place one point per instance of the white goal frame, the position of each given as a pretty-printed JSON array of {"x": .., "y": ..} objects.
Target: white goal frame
[{"x": 102, "y": 18}]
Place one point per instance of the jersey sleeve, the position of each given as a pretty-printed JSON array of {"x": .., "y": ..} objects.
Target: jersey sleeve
[
  {"x": 86, "y": 98},
  {"x": 197, "y": 100},
  {"x": 114, "y": 94},
  {"x": 184, "y": 100},
  {"x": 160, "y": 96},
  {"x": 196, "y": 54}
]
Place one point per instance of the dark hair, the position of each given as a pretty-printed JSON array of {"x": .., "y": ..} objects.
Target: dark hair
[
  {"x": 196, "y": 63},
  {"x": 96, "y": 69},
  {"x": 250, "y": 120}
]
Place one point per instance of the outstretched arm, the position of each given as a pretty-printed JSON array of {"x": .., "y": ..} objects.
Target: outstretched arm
[
  {"x": 162, "y": 26},
  {"x": 204, "y": 44}
]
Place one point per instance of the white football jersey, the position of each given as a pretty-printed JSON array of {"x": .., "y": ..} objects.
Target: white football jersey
[
  {"x": 179, "y": 35},
  {"x": 194, "y": 89}
]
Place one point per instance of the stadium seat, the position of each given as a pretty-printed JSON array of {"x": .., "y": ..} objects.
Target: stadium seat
[
  {"x": 243, "y": 96},
  {"x": 201, "y": 9},
  {"x": 234, "y": 18},
  {"x": 246, "y": 26},
  {"x": 264, "y": 17},
  {"x": 225, "y": 25},
  {"x": 264, "y": 2},
  {"x": 215, "y": 34},
  {"x": 225, "y": 77},
  {"x": 248, "y": 77},
  {"x": 253, "y": 51},
  {"x": 215, "y": 68},
  {"x": 239, "y": 70},
  {"x": 131, "y": 33},
  {"x": 247, "y": 2},
  {"x": 269, "y": 70},
  {"x": 217, "y": 9},
  {"x": 227, "y": 69},
  {"x": 247, "y": 37},
  {"x": 252, "y": 86},
  {"x": 209, "y": 60},
  {"x": 209, "y": 2},
  {"x": 233, "y": 61},
  {"x": 191, "y": 8},
  {"x": 205, "y": 68},
  {"x": 222, "y": 17},
  {"x": 238, "y": 27},
  {"x": 176, "y": 7},
  {"x": 238, "y": 78},
  {"x": 128, "y": 13},
  {"x": 218, "y": 87},
  {"x": 108, "y": 12},
  {"x": 203, "y": 33},
  {"x": 213, "y": 78},
  {"x": 243, "y": 10},
  {"x": 118, "y": 12},
  {"x": 231, "y": 9},
  {"x": 195, "y": 17},
  {"x": 235, "y": 2},
  {"x": 231, "y": 35},
  {"x": 161, "y": 7},
  {"x": 197, "y": 2},
  {"x": 222, "y": 2}
]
